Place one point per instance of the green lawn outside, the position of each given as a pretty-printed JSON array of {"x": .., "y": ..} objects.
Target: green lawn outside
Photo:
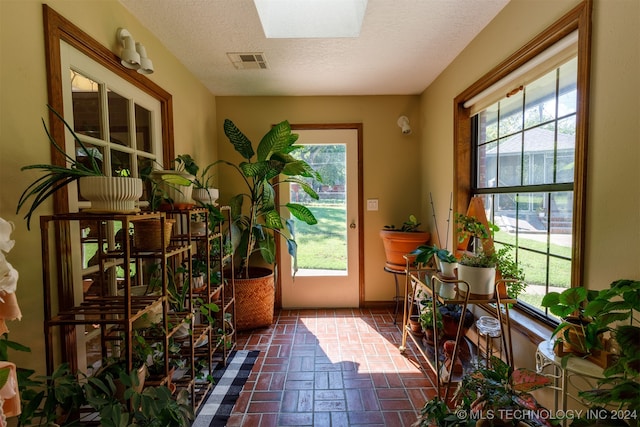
[
  {"x": 323, "y": 246},
  {"x": 534, "y": 264}
]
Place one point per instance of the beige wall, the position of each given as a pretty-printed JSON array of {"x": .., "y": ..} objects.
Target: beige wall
[
  {"x": 391, "y": 162},
  {"x": 613, "y": 195},
  {"x": 22, "y": 140}
]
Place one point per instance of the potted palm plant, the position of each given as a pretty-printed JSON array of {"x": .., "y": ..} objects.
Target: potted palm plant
[
  {"x": 106, "y": 193},
  {"x": 254, "y": 228}
]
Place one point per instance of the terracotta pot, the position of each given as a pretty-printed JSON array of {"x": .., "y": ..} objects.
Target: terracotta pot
[
  {"x": 450, "y": 322},
  {"x": 399, "y": 243},
  {"x": 429, "y": 336},
  {"x": 414, "y": 324}
]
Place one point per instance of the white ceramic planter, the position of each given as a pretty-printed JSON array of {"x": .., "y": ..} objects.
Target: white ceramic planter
[
  {"x": 481, "y": 280},
  {"x": 180, "y": 195},
  {"x": 206, "y": 196},
  {"x": 447, "y": 290},
  {"x": 448, "y": 269},
  {"x": 109, "y": 194}
]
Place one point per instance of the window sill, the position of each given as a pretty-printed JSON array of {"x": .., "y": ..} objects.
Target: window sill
[{"x": 534, "y": 330}]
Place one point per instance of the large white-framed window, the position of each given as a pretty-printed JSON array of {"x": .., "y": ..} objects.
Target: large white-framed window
[
  {"x": 523, "y": 161},
  {"x": 520, "y": 142}
]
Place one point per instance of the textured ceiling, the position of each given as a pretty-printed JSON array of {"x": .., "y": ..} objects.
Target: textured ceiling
[{"x": 403, "y": 46}]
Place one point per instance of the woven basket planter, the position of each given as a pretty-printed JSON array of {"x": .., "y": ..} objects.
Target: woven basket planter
[
  {"x": 147, "y": 235},
  {"x": 255, "y": 299}
]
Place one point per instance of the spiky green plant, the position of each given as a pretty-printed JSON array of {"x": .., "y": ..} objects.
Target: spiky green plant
[{"x": 56, "y": 176}]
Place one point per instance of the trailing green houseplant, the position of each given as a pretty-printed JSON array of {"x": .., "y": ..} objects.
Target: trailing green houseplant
[
  {"x": 469, "y": 227},
  {"x": 587, "y": 315},
  {"x": 510, "y": 272},
  {"x": 614, "y": 311},
  {"x": 426, "y": 320},
  {"x": 172, "y": 188},
  {"x": 201, "y": 178}
]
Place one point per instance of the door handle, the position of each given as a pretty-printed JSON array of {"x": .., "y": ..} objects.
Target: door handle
[{"x": 352, "y": 225}]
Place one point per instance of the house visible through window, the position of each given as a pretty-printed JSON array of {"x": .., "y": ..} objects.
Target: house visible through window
[{"x": 524, "y": 167}]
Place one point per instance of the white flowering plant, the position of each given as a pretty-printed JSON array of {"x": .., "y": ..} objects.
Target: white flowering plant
[{"x": 8, "y": 274}]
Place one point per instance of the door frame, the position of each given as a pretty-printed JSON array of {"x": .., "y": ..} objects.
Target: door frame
[{"x": 360, "y": 215}]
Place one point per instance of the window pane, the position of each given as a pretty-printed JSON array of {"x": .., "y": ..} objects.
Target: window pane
[
  {"x": 85, "y": 96},
  {"x": 119, "y": 119},
  {"x": 566, "y": 149},
  {"x": 120, "y": 163},
  {"x": 534, "y": 266},
  {"x": 510, "y": 161},
  {"x": 561, "y": 221},
  {"x": 559, "y": 274},
  {"x": 540, "y": 100},
  {"x": 567, "y": 85},
  {"x": 488, "y": 124},
  {"x": 81, "y": 156},
  {"x": 487, "y": 165},
  {"x": 539, "y": 146},
  {"x": 95, "y": 151},
  {"x": 329, "y": 249},
  {"x": 143, "y": 128},
  {"x": 145, "y": 166},
  {"x": 510, "y": 115}
]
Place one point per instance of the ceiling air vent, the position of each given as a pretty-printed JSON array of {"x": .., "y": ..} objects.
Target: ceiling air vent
[{"x": 248, "y": 60}]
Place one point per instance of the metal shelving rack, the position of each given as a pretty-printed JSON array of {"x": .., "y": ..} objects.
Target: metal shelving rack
[{"x": 426, "y": 280}]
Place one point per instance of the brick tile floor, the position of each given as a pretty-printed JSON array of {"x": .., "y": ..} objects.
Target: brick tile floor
[{"x": 331, "y": 367}]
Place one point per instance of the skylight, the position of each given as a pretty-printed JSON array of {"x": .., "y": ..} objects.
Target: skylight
[{"x": 284, "y": 19}]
